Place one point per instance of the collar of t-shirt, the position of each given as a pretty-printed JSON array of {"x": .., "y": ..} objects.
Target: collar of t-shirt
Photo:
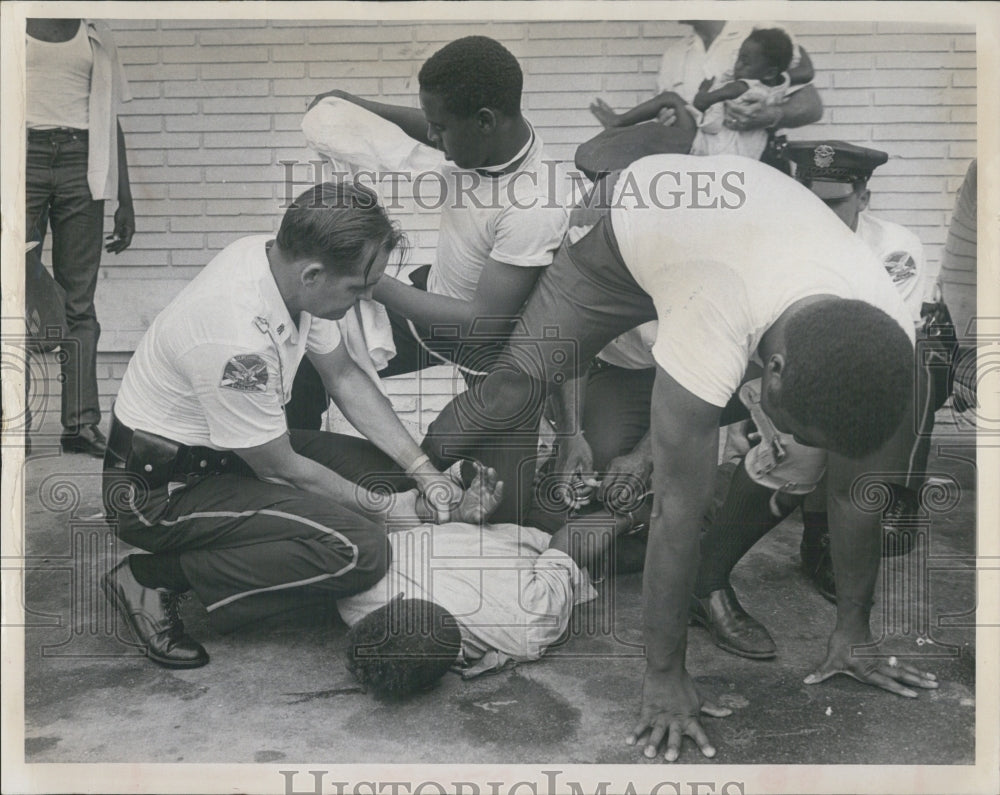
[{"x": 514, "y": 163}]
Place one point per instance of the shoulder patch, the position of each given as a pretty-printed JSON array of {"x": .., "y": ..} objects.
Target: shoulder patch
[
  {"x": 901, "y": 266},
  {"x": 245, "y": 373}
]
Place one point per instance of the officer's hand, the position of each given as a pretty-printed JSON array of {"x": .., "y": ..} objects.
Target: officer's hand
[
  {"x": 626, "y": 481},
  {"x": 441, "y": 494},
  {"x": 121, "y": 238}
]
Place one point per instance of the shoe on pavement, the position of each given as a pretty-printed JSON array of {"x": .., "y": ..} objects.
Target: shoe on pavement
[
  {"x": 731, "y": 627},
  {"x": 152, "y": 616}
]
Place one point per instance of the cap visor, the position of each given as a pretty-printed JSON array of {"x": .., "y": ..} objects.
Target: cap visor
[{"x": 828, "y": 190}]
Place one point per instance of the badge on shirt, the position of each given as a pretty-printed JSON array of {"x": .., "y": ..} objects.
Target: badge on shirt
[
  {"x": 901, "y": 266},
  {"x": 245, "y": 373}
]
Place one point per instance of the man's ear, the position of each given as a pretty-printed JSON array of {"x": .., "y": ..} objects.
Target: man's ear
[
  {"x": 775, "y": 366},
  {"x": 310, "y": 273},
  {"x": 863, "y": 197},
  {"x": 487, "y": 120}
]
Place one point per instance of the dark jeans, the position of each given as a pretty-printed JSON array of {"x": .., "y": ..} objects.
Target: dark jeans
[{"x": 57, "y": 195}]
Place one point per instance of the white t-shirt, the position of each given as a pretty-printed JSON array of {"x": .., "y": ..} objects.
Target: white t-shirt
[
  {"x": 903, "y": 256},
  {"x": 515, "y": 219},
  {"x": 723, "y": 245},
  {"x": 509, "y": 592},
  {"x": 215, "y": 368},
  {"x": 58, "y": 81}
]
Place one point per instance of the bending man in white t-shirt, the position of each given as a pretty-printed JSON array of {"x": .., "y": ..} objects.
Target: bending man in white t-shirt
[{"x": 737, "y": 263}]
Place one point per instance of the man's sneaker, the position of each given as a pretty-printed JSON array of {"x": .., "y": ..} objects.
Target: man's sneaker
[{"x": 152, "y": 615}]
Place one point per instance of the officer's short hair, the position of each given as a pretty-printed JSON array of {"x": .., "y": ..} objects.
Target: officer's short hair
[
  {"x": 472, "y": 73},
  {"x": 338, "y": 223},
  {"x": 775, "y": 45},
  {"x": 848, "y": 373},
  {"x": 403, "y": 647}
]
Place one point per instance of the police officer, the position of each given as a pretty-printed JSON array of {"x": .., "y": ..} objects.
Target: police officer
[
  {"x": 838, "y": 173},
  {"x": 201, "y": 470}
]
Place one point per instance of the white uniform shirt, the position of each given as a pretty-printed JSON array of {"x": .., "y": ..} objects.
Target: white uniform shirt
[
  {"x": 215, "y": 368},
  {"x": 509, "y": 592},
  {"x": 515, "y": 219},
  {"x": 723, "y": 246},
  {"x": 903, "y": 256}
]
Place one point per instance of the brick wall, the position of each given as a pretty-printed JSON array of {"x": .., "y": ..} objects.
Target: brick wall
[{"x": 218, "y": 106}]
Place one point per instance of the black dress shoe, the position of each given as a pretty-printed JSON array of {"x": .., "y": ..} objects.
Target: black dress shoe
[
  {"x": 87, "y": 439},
  {"x": 731, "y": 627},
  {"x": 151, "y": 614},
  {"x": 817, "y": 563}
]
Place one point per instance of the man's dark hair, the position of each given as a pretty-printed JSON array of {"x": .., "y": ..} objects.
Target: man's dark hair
[
  {"x": 403, "y": 647},
  {"x": 848, "y": 373},
  {"x": 337, "y": 223},
  {"x": 472, "y": 73},
  {"x": 775, "y": 45}
]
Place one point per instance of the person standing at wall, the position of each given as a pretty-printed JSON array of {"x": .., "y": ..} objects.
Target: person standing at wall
[{"x": 76, "y": 160}]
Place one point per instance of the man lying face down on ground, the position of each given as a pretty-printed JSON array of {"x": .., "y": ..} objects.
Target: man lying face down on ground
[{"x": 477, "y": 596}]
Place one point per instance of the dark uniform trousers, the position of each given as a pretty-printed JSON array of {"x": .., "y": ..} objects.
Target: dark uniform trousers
[{"x": 249, "y": 548}]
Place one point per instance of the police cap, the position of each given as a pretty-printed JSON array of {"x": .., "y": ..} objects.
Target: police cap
[{"x": 830, "y": 168}]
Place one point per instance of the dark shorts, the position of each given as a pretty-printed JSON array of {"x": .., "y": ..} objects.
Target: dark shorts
[{"x": 585, "y": 298}]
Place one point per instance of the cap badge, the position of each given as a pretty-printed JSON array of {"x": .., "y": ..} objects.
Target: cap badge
[{"x": 823, "y": 156}]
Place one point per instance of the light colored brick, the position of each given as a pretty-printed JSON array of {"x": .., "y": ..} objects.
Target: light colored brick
[
  {"x": 926, "y": 132},
  {"x": 595, "y": 29},
  {"x": 136, "y": 55},
  {"x": 239, "y": 174},
  {"x": 245, "y": 156},
  {"x": 562, "y": 65},
  {"x": 916, "y": 96},
  {"x": 893, "y": 42},
  {"x": 167, "y": 241},
  {"x": 168, "y": 175},
  {"x": 505, "y": 33},
  {"x": 569, "y": 48},
  {"x": 323, "y": 52},
  {"x": 210, "y": 122},
  {"x": 222, "y": 140},
  {"x": 252, "y": 36},
  {"x": 889, "y": 115},
  {"x": 140, "y": 124},
  {"x": 222, "y": 191},
  {"x": 847, "y": 31},
  {"x": 155, "y": 38},
  {"x": 964, "y": 114},
  {"x": 217, "y": 88},
  {"x": 842, "y": 60},
  {"x": 162, "y": 107},
  {"x": 163, "y": 140},
  {"x": 965, "y": 150},
  {"x": 138, "y": 158},
  {"x": 901, "y": 78},
  {"x": 964, "y": 78},
  {"x": 329, "y": 34},
  {"x": 159, "y": 71},
  {"x": 231, "y": 25},
  {"x": 920, "y": 61},
  {"x": 145, "y": 89},
  {"x": 244, "y": 71},
  {"x": 238, "y": 104},
  {"x": 147, "y": 208},
  {"x": 964, "y": 43},
  {"x": 364, "y": 69},
  {"x": 117, "y": 25},
  {"x": 221, "y": 223},
  {"x": 216, "y": 54}
]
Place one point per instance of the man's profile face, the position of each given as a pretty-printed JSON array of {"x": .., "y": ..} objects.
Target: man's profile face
[
  {"x": 330, "y": 294},
  {"x": 459, "y": 137}
]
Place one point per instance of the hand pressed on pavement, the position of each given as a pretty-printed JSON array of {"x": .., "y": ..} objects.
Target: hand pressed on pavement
[
  {"x": 671, "y": 705},
  {"x": 871, "y": 668}
]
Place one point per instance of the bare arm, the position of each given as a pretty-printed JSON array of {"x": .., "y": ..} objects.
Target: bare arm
[
  {"x": 501, "y": 291},
  {"x": 685, "y": 443},
  {"x": 803, "y": 71},
  {"x": 705, "y": 98},
  {"x": 410, "y": 120},
  {"x": 121, "y": 237},
  {"x": 368, "y": 410}
]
